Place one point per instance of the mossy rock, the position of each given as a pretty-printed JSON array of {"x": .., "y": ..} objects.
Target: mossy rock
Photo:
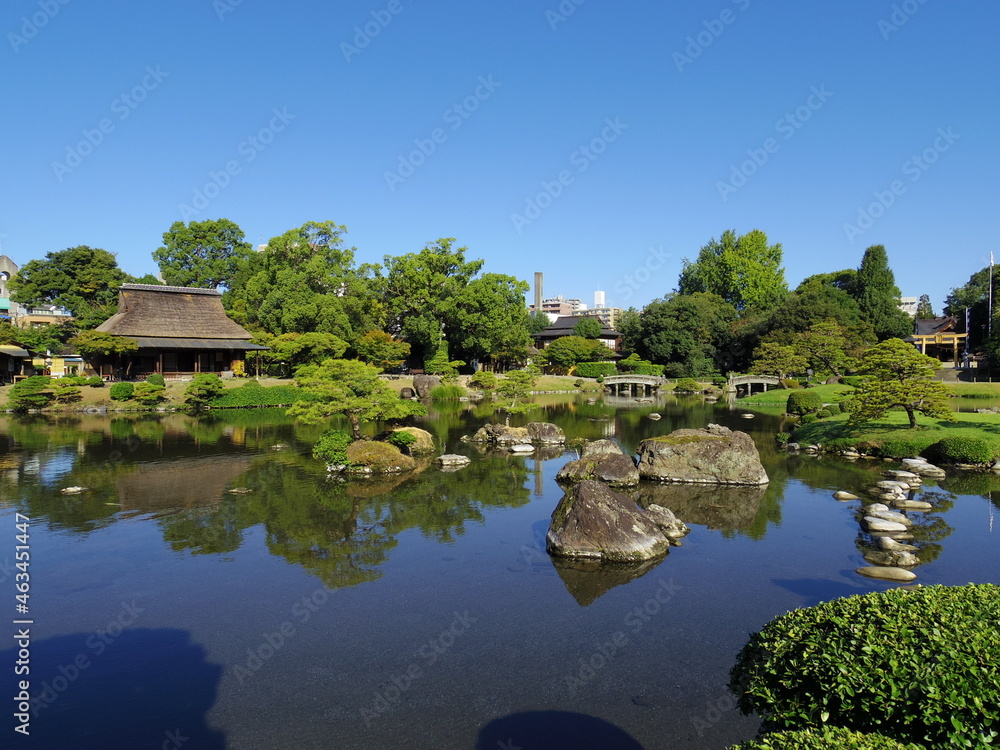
[
  {"x": 373, "y": 457},
  {"x": 424, "y": 443}
]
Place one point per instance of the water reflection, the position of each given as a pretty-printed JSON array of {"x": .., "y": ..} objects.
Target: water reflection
[
  {"x": 588, "y": 580},
  {"x": 725, "y": 508}
]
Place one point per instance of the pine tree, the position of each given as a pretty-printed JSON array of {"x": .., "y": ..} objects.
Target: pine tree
[{"x": 878, "y": 296}]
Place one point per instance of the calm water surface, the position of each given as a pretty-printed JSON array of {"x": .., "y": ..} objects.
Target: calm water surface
[{"x": 418, "y": 612}]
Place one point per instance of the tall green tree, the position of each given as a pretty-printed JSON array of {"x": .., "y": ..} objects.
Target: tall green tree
[
  {"x": 827, "y": 346},
  {"x": 878, "y": 296},
  {"x": 899, "y": 377},
  {"x": 382, "y": 350},
  {"x": 974, "y": 295},
  {"x": 490, "y": 322},
  {"x": 925, "y": 310},
  {"x": 350, "y": 388},
  {"x": 629, "y": 325},
  {"x": 777, "y": 360},
  {"x": 687, "y": 333},
  {"x": 92, "y": 345},
  {"x": 202, "y": 253},
  {"x": 83, "y": 279},
  {"x": 588, "y": 328},
  {"x": 744, "y": 270}
]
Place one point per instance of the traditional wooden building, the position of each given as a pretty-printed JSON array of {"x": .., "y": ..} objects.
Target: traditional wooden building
[
  {"x": 564, "y": 327},
  {"x": 179, "y": 330},
  {"x": 938, "y": 338}
]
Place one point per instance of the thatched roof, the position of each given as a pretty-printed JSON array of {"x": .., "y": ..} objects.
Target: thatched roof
[{"x": 148, "y": 311}]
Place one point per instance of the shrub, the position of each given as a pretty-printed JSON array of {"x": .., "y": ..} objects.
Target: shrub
[
  {"x": 402, "y": 440},
  {"x": 156, "y": 379},
  {"x": 76, "y": 379},
  {"x": 252, "y": 383},
  {"x": 149, "y": 393},
  {"x": 203, "y": 390},
  {"x": 688, "y": 385},
  {"x": 719, "y": 380},
  {"x": 332, "y": 447},
  {"x": 809, "y": 418},
  {"x": 483, "y": 380},
  {"x": 824, "y": 738},
  {"x": 803, "y": 402},
  {"x": 449, "y": 392},
  {"x": 782, "y": 438},
  {"x": 121, "y": 391},
  {"x": 34, "y": 392},
  {"x": 578, "y": 383},
  {"x": 66, "y": 391},
  {"x": 963, "y": 450},
  {"x": 95, "y": 381},
  {"x": 918, "y": 664},
  {"x": 834, "y": 409},
  {"x": 900, "y": 447},
  {"x": 260, "y": 396},
  {"x": 595, "y": 369},
  {"x": 854, "y": 381},
  {"x": 824, "y": 413},
  {"x": 647, "y": 368},
  {"x": 790, "y": 384}
]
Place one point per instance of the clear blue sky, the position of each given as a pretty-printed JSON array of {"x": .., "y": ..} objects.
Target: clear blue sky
[{"x": 695, "y": 117}]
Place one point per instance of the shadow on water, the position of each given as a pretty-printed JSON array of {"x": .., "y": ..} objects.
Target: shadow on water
[
  {"x": 817, "y": 590},
  {"x": 554, "y": 730},
  {"x": 144, "y": 689}
]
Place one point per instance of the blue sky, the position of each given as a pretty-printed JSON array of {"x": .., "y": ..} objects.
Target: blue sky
[{"x": 597, "y": 142}]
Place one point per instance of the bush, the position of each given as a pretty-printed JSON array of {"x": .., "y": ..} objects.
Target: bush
[
  {"x": 688, "y": 385},
  {"x": 578, "y": 383},
  {"x": 332, "y": 447},
  {"x": 402, "y": 440},
  {"x": 34, "y": 392},
  {"x": 252, "y": 383},
  {"x": 95, "y": 381},
  {"x": 963, "y": 450},
  {"x": 483, "y": 380},
  {"x": 647, "y": 368},
  {"x": 156, "y": 379},
  {"x": 809, "y": 418},
  {"x": 448, "y": 393},
  {"x": 66, "y": 391},
  {"x": 834, "y": 409},
  {"x": 918, "y": 664},
  {"x": 854, "y": 381},
  {"x": 899, "y": 447},
  {"x": 824, "y": 413},
  {"x": 149, "y": 393},
  {"x": 824, "y": 738},
  {"x": 719, "y": 380},
  {"x": 595, "y": 369},
  {"x": 803, "y": 402},
  {"x": 259, "y": 396},
  {"x": 782, "y": 438},
  {"x": 121, "y": 391},
  {"x": 76, "y": 380},
  {"x": 790, "y": 384},
  {"x": 203, "y": 390}
]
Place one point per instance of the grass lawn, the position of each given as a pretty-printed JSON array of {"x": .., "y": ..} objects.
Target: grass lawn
[{"x": 830, "y": 394}]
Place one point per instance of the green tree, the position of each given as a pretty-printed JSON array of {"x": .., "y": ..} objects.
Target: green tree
[
  {"x": 925, "y": 310},
  {"x": 878, "y": 296},
  {"x": 46, "y": 338},
  {"x": 778, "y": 360},
  {"x": 92, "y": 345},
  {"x": 567, "y": 351},
  {"x": 687, "y": 333},
  {"x": 202, "y": 391},
  {"x": 441, "y": 365},
  {"x": 974, "y": 295},
  {"x": 351, "y": 388},
  {"x": 744, "y": 270},
  {"x": 900, "y": 377},
  {"x": 816, "y": 299},
  {"x": 826, "y": 346},
  {"x": 538, "y": 321},
  {"x": 297, "y": 349},
  {"x": 516, "y": 385},
  {"x": 490, "y": 322},
  {"x": 382, "y": 350},
  {"x": 202, "y": 253},
  {"x": 588, "y": 328},
  {"x": 629, "y": 325}
]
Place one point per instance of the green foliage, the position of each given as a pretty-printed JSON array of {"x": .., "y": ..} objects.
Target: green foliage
[
  {"x": 203, "y": 254},
  {"x": 634, "y": 365},
  {"x": 483, "y": 380},
  {"x": 595, "y": 369},
  {"x": 782, "y": 438},
  {"x": 689, "y": 385},
  {"x": 567, "y": 351},
  {"x": 516, "y": 385},
  {"x": 833, "y": 409},
  {"x": 629, "y": 364},
  {"x": 790, "y": 384},
  {"x": 744, "y": 270},
  {"x": 95, "y": 381},
  {"x": 332, "y": 447},
  {"x": 448, "y": 392},
  {"x": 690, "y": 334},
  {"x": 156, "y": 379},
  {"x": 93, "y": 344},
  {"x": 252, "y": 383},
  {"x": 588, "y": 328},
  {"x": 121, "y": 391},
  {"x": 823, "y": 413},
  {"x": 901, "y": 378},
  {"x": 34, "y": 392},
  {"x": 441, "y": 366},
  {"x": 777, "y": 360},
  {"x": 855, "y": 381},
  {"x": 203, "y": 390},
  {"x": 297, "y": 349},
  {"x": 925, "y": 310},
  {"x": 578, "y": 383},
  {"x": 809, "y": 418},
  {"x": 803, "y": 402},
  {"x": 826, "y": 345},
  {"x": 378, "y": 456},
  {"x": 919, "y": 665},
  {"x": 402, "y": 440},
  {"x": 878, "y": 296},
  {"x": 963, "y": 450},
  {"x": 66, "y": 391},
  {"x": 825, "y": 738},
  {"x": 382, "y": 350},
  {"x": 149, "y": 393},
  {"x": 258, "y": 396}
]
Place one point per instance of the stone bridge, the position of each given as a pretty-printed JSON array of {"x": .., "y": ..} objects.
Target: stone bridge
[
  {"x": 738, "y": 382},
  {"x": 633, "y": 384}
]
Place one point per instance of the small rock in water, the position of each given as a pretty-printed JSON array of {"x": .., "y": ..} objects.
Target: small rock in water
[
  {"x": 892, "y": 484},
  {"x": 887, "y": 573},
  {"x": 239, "y": 491},
  {"x": 892, "y": 516},
  {"x": 912, "y": 505},
  {"x": 873, "y": 523},
  {"x": 522, "y": 448},
  {"x": 888, "y": 543},
  {"x": 73, "y": 490},
  {"x": 876, "y": 508},
  {"x": 906, "y": 476},
  {"x": 452, "y": 459},
  {"x": 747, "y": 416},
  {"x": 844, "y": 496},
  {"x": 892, "y": 558},
  {"x": 279, "y": 447},
  {"x": 654, "y": 415}
]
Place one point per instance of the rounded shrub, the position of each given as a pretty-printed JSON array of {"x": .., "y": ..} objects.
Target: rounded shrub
[
  {"x": 920, "y": 665},
  {"x": 688, "y": 385},
  {"x": 803, "y": 402},
  {"x": 834, "y": 409},
  {"x": 402, "y": 440},
  {"x": 809, "y": 418},
  {"x": 95, "y": 381},
  {"x": 332, "y": 447},
  {"x": 824, "y": 413},
  {"x": 156, "y": 379},
  {"x": 825, "y": 738},
  {"x": 789, "y": 384},
  {"x": 483, "y": 380},
  {"x": 252, "y": 383},
  {"x": 782, "y": 438},
  {"x": 450, "y": 392},
  {"x": 963, "y": 450},
  {"x": 121, "y": 391}
]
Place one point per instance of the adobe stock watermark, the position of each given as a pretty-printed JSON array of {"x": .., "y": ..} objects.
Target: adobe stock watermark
[
  {"x": 914, "y": 168},
  {"x": 581, "y": 159},
  {"x": 122, "y": 106},
  {"x": 714, "y": 711},
  {"x": 562, "y": 12},
  {"x": 604, "y": 652},
  {"x": 366, "y": 32},
  {"x": 900, "y": 16},
  {"x": 249, "y": 149},
  {"x": 454, "y": 117},
  {"x": 31, "y": 25},
  {"x": 274, "y": 640},
  {"x": 390, "y": 691},
  {"x": 223, "y": 8},
  {"x": 713, "y": 29},
  {"x": 787, "y": 126},
  {"x": 655, "y": 259}
]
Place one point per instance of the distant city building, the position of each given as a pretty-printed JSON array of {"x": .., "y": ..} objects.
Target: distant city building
[
  {"x": 909, "y": 305},
  {"x": 608, "y": 315},
  {"x": 599, "y": 300},
  {"x": 557, "y": 306},
  {"x": 8, "y": 269},
  {"x": 36, "y": 316}
]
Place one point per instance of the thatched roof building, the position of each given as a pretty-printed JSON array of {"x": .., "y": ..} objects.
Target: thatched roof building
[{"x": 178, "y": 329}]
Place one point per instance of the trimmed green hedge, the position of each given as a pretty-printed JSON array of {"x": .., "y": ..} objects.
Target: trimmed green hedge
[
  {"x": 95, "y": 381},
  {"x": 156, "y": 379},
  {"x": 595, "y": 369},
  {"x": 246, "y": 396},
  {"x": 689, "y": 385},
  {"x": 803, "y": 402},
  {"x": 964, "y": 450},
  {"x": 121, "y": 391},
  {"x": 917, "y": 665},
  {"x": 825, "y": 738},
  {"x": 648, "y": 368}
]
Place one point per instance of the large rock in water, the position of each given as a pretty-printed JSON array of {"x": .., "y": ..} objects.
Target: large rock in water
[
  {"x": 424, "y": 384},
  {"x": 545, "y": 433},
  {"x": 536, "y": 433},
  {"x": 713, "y": 455},
  {"x": 593, "y": 521},
  {"x": 423, "y": 445},
  {"x": 604, "y": 461}
]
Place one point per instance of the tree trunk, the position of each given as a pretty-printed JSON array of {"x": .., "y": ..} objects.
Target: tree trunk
[
  {"x": 913, "y": 417},
  {"x": 355, "y": 425}
]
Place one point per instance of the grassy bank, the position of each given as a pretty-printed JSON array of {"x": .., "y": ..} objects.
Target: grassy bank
[{"x": 778, "y": 397}]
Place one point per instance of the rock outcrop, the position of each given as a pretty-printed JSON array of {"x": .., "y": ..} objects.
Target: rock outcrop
[
  {"x": 424, "y": 443},
  {"x": 601, "y": 460},
  {"x": 424, "y": 384},
  {"x": 536, "y": 433},
  {"x": 713, "y": 455},
  {"x": 593, "y": 521},
  {"x": 545, "y": 433}
]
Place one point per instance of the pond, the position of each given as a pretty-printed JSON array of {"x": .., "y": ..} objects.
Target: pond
[{"x": 213, "y": 589}]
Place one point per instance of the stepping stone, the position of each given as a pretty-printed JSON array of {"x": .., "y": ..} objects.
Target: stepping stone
[
  {"x": 844, "y": 496},
  {"x": 887, "y": 573},
  {"x": 522, "y": 448},
  {"x": 880, "y": 524}
]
